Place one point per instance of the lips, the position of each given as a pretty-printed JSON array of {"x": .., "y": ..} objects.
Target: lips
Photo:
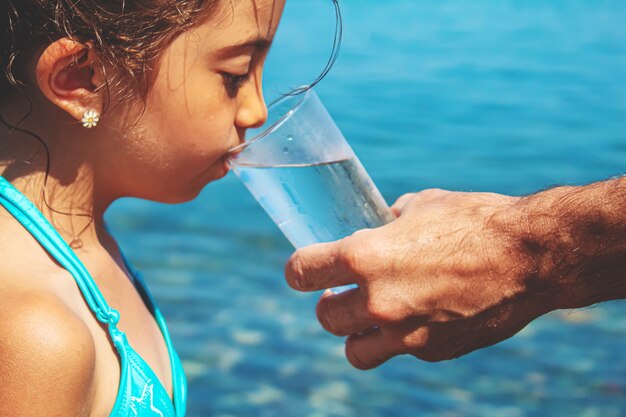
[
  {"x": 225, "y": 162},
  {"x": 233, "y": 151}
]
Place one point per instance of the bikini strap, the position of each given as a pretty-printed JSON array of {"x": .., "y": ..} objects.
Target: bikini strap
[{"x": 33, "y": 220}]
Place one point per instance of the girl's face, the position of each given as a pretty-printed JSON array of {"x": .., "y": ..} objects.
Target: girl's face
[{"x": 207, "y": 92}]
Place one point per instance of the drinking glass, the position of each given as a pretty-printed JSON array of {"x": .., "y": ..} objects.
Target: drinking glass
[{"x": 302, "y": 171}]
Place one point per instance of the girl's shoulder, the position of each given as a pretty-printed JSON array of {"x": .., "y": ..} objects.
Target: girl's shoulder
[
  {"x": 47, "y": 352},
  {"x": 25, "y": 266},
  {"x": 48, "y": 356}
]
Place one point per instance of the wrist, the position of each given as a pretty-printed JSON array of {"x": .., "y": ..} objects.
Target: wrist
[
  {"x": 574, "y": 241},
  {"x": 545, "y": 242},
  {"x": 520, "y": 233}
]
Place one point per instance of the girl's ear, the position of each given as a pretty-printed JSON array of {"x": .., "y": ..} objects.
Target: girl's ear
[{"x": 68, "y": 74}]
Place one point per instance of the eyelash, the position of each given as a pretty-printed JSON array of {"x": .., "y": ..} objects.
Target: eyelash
[{"x": 234, "y": 81}]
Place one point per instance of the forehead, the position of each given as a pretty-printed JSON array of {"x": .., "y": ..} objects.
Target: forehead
[{"x": 243, "y": 19}]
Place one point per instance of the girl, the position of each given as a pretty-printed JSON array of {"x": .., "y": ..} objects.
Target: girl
[{"x": 102, "y": 99}]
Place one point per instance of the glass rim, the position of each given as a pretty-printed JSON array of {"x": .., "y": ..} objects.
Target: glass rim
[{"x": 278, "y": 123}]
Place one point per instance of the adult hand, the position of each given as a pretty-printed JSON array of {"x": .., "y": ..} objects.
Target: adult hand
[{"x": 448, "y": 276}]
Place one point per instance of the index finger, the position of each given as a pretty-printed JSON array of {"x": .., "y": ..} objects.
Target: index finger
[{"x": 319, "y": 266}]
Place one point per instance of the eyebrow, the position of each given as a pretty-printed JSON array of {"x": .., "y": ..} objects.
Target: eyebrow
[{"x": 258, "y": 43}]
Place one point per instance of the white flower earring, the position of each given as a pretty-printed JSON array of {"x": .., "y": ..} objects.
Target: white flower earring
[{"x": 90, "y": 119}]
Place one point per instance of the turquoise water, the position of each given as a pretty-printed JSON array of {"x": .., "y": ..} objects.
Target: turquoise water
[{"x": 506, "y": 96}]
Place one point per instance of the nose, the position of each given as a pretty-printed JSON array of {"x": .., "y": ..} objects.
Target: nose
[{"x": 252, "y": 111}]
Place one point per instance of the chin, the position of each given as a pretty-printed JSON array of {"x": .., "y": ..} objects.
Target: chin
[
  {"x": 175, "y": 198},
  {"x": 218, "y": 171},
  {"x": 185, "y": 190}
]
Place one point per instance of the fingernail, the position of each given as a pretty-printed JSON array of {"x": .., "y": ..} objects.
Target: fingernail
[
  {"x": 368, "y": 331},
  {"x": 299, "y": 282},
  {"x": 295, "y": 267},
  {"x": 324, "y": 321}
]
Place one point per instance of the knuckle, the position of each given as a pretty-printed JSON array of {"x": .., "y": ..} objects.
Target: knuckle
[
  {"x": 429, "y": 192},
  {"x": 406, "y": 196},
  {"x": 379, "y": 311},
  {"x": 359, "y": 253},
  {"x": 418, "y": 339},
  {"x": 351, "y": 256},
  {"x": 354, "y": 358},
  {"x": 387, "y": 303},
  {"x": 360, "y": 235},
  {"x": 422, "y": 346},
  {"x": 432, "y": 193},
  {"x": 295, "y": 272},
  {"x": 429, "y": 356},
  {"x": 323, "y": 316},
  {"x": 435, "y": 353},
  {"x": 402, "y": 201}
]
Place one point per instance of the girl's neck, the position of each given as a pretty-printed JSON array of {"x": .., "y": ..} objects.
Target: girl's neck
[
  {"x": 68, "y": 195},
  {"x": 67, "y": 200}
]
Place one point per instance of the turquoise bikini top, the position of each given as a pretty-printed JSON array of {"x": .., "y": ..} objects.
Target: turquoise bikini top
[{"x": 140, "y": 392}]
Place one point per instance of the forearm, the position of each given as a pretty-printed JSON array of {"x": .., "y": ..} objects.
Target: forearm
[{"x": 575, "y": 241}]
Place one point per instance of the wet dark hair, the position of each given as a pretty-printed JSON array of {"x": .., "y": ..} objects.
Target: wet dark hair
[{"x": 128, "y": 36}]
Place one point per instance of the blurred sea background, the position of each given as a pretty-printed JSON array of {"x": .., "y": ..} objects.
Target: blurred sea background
[{"x": 506, "y": 96}]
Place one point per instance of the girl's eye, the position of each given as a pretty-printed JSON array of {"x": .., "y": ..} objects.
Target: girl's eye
[{"x": 235, "y": 81}]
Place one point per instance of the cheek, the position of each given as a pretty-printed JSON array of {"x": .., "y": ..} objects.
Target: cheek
[
  {"x": 189, "y": 115},
  {"x": 207, "y": 134},
  {"x": 191, "y": 128},
  {"x": 174, "y": 150}
]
